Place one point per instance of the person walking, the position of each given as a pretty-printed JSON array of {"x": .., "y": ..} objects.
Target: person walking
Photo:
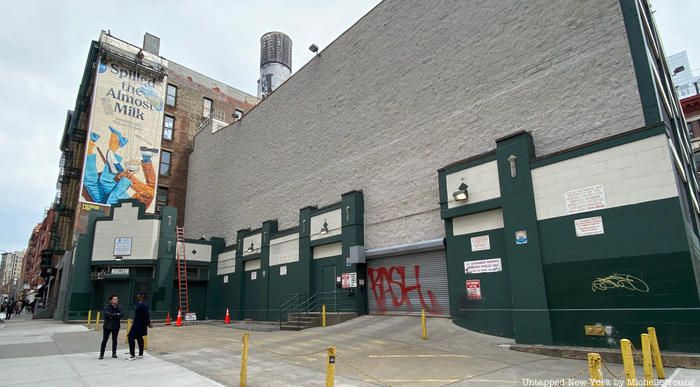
[
  {"x": 112, "y": 323},
  {"x": 9, "y": 309},
  {"x": 139, "y": 328}
]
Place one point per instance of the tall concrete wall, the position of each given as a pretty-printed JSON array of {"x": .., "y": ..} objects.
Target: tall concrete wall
[{"x": 414, "y": 86}]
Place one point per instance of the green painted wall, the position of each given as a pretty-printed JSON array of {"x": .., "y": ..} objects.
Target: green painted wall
[
  {"x": 492, "y": 314},
  {"x": 552, "y": 278},
  {"x": 260, "y": 299},
  {"x": 646, "y": 241}
]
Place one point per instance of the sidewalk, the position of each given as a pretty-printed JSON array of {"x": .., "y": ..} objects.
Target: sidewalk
[{"x": 51, "y": 353}]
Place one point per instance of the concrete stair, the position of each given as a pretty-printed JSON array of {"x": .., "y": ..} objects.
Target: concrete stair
[{"x": 297, "y": 322}]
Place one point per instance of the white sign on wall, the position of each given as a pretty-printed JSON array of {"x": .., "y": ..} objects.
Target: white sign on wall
[
  {"x": 483, "y": 266},
  {"x": 283, "y": 270},
  {"x": 589, "y": 226},
  {"x": 121, "y": 270},
  {"x": 585, "y": 199},
  {"x": 349, "y": 280},
  {"x": 253, "y": 275},
  {"x": 481, "y": 243},
  {"x": 122, "y": 246},
  {"x": 225, "y": 279}
]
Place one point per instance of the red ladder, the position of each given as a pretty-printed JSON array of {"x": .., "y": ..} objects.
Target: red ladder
[{"x": 182, "y": 272}]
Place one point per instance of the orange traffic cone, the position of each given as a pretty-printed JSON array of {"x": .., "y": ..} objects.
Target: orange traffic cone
[
  {"x": 227, "y": 319},
  {"x": 178, "y": 322},
  {"x": 167, "y": 319}
]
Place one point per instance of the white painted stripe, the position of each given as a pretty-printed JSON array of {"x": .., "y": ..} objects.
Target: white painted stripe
[
  {"x": 414, "y": 356},
  {"x": 414, "y": 380},
  {"x": 669, "y": 380}
]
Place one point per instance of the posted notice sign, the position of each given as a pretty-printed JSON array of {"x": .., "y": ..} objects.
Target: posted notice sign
[
  {"x": 483, "y": 266},
  {"x": 585, "y": 199},
  {"x": 474, "y": 289},
  {"x": 349, "y": 280},
  {"x": 589, "y": 226},
  {"x": 481, "y": 243},
  {"x": 191, "y": 317},
  {"x": 122, "y": 246}
]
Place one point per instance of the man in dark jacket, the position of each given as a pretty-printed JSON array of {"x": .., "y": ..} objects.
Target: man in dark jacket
[
  {"x": 139, "y": 328},
  {"x": 113, "y": 315},
  {"x": 9, "y": 309}
]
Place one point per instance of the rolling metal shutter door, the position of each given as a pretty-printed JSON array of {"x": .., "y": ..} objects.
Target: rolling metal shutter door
[{"x": 405, "y": 284}]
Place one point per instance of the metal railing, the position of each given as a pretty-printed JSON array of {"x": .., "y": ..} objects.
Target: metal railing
[{"x": 301, "y": 307}]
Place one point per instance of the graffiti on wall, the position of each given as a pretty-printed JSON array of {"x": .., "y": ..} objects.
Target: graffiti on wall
[
  {"x": 620, "y": 281},
  {"x": 389, "y": 285}
]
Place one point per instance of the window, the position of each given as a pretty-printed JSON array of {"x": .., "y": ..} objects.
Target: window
[
  {"x": 161, "y": 198},
  {"x": 165, "y": 160},
  {"x": 171, "y": 95},
  {"x": 162, "y": 195},
  {"x": 168, "y": 126},
  {"x": 206, "y": 107}
]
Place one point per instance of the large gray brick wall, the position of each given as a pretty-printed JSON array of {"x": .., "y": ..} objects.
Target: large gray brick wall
[{"x": 413, "y": 86}]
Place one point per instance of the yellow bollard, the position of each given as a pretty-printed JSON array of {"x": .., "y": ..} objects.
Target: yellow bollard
[
  {"x": 128, "y": 329},
  {"x": 97, "y": 321},
  {"x": 323, "y": 315},
  {"x": 628, "y": 362},
  {"x": 425, "y": 328},
  {"x": 244, "y": 360},
  {"x": 594, "y": 363},
  {"x": 145, "y": 343},
  {"x": 646, "y": 358},
  {"x": 656, "y": 352},
  {"x": 330, "y": 367},
  {"x": 89, "y": 318}
]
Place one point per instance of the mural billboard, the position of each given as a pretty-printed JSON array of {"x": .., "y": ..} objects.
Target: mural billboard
[{"x": 123, "y": 143}]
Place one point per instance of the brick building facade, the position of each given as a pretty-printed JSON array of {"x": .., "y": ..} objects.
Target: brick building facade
[
  {"x": 39, "y": 241},
  {"x": 197, "y": 99},
  {"x": 185, "y": 96}
]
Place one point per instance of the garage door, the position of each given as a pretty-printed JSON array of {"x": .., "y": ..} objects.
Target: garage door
[{"x": 405, "y": 284}]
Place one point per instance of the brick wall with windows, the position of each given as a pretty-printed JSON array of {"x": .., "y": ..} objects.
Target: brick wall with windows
[{"x": 190, "y": 97}]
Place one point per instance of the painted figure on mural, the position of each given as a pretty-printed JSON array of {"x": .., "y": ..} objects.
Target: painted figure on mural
[{"x": 118, "y": 174}]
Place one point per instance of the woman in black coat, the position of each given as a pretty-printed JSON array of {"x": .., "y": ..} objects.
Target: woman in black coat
[
  {"x": 139, "y": 328},
  {"x": 113, "y": 315}
]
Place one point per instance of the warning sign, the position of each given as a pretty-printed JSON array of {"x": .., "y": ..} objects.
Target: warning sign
[
  {"x": 492, "y": 265},
  {"x": 589, "y": 226},
  {"x": 474, "y": 289},
  {"x": 349, "y": 280},
  {"x": 585, "y": 199},
  {"x": 481, "y": 243}
]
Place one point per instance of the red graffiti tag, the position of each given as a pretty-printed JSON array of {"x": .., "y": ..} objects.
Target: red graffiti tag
[{"x": 383, "y": 282}]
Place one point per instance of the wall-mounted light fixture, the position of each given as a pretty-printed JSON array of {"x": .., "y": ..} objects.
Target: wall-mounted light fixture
[
  {"x": 118, "y": 258},
  {"x": 324, "y": 229},
  {"x": 461, "y": 193},
  {"x": 251, "y": 248}
]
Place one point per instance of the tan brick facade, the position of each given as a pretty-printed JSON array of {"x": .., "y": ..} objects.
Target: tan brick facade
[{"x": 188, "y": 113}]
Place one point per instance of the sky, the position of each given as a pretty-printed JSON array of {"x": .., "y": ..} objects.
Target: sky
[{"x": 45, "y": 45}]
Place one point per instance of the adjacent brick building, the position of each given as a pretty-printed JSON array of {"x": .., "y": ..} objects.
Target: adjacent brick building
[
  {"x": 40, "y": 241},
  {"x": 198, "y": 100}
]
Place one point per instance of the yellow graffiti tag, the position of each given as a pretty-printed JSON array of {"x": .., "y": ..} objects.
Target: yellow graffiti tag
[{"x": 624, "y": 281}]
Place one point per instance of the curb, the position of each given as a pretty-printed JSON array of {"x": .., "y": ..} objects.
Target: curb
[{"x": 670, "y": 359}]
